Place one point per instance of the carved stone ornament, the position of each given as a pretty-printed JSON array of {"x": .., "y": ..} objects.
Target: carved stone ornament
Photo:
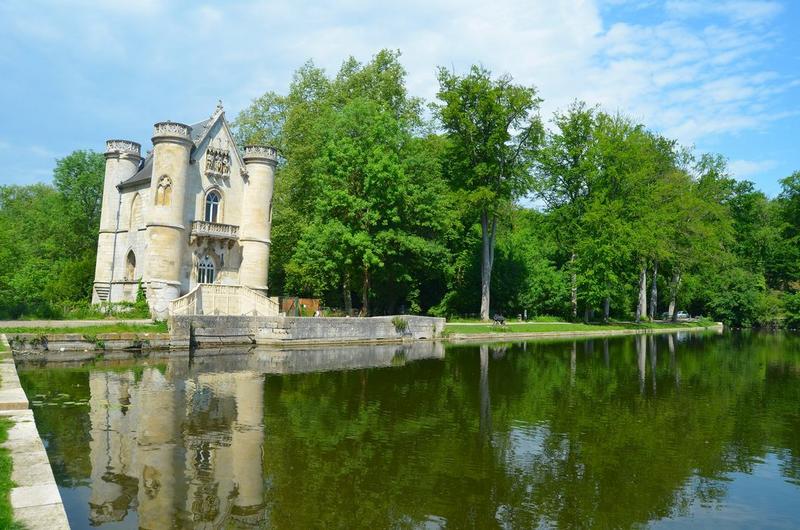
[
  {"x": 123, "y": 146},
  {"x": 169, "y": 128},
  {"x": 218, "y": 162},
  {"x": 261, "y": 151}
]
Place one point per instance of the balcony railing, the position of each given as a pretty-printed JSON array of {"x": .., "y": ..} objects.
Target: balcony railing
[{"x": 215, "y": 230}]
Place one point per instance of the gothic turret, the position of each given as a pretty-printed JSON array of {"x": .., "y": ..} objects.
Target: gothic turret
[
  {"x": 166, "y": 233},
  {"x": 257, "y": 215},
  {"x": 122, "y": 161}
]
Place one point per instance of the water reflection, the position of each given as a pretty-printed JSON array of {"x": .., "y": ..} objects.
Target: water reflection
[{"x": 601, "y": 433}]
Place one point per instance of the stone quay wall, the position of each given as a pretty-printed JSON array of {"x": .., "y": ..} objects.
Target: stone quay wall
[{"x": 222, "y": 330}]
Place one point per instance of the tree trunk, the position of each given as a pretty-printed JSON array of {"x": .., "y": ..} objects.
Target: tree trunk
[
  {"x": 487, "y": 261},
  {"x": 365, "y": 293},
  {"x": 653, "y": 360},
  {"x": 587, "y": 315},
  {"x": 641, "y": 308},
  {"x": 348, "y": 300},
  {"x": 573, "y": 363},
  {"x": 673, "y": 295},
  {"x": 606, "y": 308},
  {"x": 486, "y": 404},
  {"x": 573, "y": 287},
  {"x": 641, "y": 353},
  {"x": 654, "y": 292}
]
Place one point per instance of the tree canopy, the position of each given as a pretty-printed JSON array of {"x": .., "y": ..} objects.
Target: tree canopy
[{"x": 385, "y": 203}]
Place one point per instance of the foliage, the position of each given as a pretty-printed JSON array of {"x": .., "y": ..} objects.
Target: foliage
[
  {"x": 48, "y": 239},
  {"x": 493, "y": 130},
  {"x": 89, "y": 329},
  {"x": 6, "y": 464},
  {"x": 383, "y": 207},
  {"x": 400, "y": 324}
]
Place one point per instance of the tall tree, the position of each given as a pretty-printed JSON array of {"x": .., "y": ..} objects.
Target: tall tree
[
  {"x": 567, "y": 164},
  {"x": 493, "y": 129}
]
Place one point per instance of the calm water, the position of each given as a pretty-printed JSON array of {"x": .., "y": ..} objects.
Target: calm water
[{"x": 674, "y": 431}]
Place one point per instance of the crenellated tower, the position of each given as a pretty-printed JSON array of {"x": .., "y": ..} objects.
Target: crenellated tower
[
  {"x": 122, "y": 161},
  {"x": 257, "y": 215},
  {"x": 166, "y": 230}
]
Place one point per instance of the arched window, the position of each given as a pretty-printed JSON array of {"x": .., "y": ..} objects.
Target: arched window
[
  {"x": 164, "y": 191},
  {"x": 212, "y": 207},
  {"x": 130, "y": 266},
  {"x": 136, "y": 214},
  {"x": 205, "y": 271}
]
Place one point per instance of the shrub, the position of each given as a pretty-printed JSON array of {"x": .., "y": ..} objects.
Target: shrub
[{"x": 400, "y": 324}]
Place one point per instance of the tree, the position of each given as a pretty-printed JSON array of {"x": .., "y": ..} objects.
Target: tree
[
  {"x": 360, "y": 202},
  {"x": 567, "y": 165},
  {"x": 54, "y": 262},
  {"x": 493, "y": 130}
]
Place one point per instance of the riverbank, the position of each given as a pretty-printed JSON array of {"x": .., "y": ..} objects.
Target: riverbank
[
  {"x": 126, "y": 339},
  {"x": 26, "y": 478},
  {"x": 476, "y": 332}
]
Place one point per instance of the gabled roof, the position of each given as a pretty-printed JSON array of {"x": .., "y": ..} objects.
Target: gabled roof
[{"x": 199, "y": 131}]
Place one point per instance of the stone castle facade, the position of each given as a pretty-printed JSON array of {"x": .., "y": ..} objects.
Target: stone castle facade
[{"x": 193, "y": 211}]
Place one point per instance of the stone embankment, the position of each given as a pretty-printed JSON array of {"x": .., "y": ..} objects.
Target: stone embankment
[
  {"x": 33, "y": 347},
  {"x": 227, "y": 330},
  {"x": 514, "y": 336},
  {"x": 35, "y": 499}
]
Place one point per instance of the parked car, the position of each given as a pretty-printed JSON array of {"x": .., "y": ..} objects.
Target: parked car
[{"x": 682, "y": 315}]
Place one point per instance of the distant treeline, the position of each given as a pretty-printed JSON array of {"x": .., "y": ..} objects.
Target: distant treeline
[{"x": 469, "y": 205}]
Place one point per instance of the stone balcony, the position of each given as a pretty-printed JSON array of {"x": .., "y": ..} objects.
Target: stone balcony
[{"x": 214, "y": 230}]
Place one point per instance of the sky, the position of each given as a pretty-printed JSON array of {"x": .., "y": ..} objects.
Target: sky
[{"x": 720, "y": 75}]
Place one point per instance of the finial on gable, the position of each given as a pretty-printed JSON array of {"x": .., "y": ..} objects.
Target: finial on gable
[{"x": 219, "y": 107}]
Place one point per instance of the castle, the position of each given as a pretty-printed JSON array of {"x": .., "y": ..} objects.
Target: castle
[{"x": 193, "y": 211}]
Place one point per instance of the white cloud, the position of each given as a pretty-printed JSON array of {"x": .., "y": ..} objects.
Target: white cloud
[
  {"x": 41, "y": 152},
  {"x": 753, "y": 12},
  {"x": 746, "y": 169},
  {"x": 694, "y": 72}
]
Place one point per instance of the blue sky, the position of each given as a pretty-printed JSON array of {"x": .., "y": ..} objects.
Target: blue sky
[{"x": 721, "y": 75}]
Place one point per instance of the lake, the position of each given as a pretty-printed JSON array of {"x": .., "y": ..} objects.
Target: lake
[{"x": 686, "y": 430}]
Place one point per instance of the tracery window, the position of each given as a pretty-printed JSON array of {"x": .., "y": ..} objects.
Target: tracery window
[
  {"x": 212, "y": 207},
  {"x": 205, "y": 270},
  {"x": 164, "y": 191}
]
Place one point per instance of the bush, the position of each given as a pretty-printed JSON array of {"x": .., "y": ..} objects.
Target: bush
[
  {"x": 791, "y": 304},
  {"x": 400, "y": 324}
]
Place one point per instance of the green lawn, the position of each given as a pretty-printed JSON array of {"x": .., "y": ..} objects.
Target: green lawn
[
  {"x": 549, "y": 327},
  {"x": 6, "y": 514},
  {"x": 158, "y": 327}
]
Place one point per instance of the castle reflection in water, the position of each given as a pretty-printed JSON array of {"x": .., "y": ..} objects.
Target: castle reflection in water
[{"x": 187, "y": 442}]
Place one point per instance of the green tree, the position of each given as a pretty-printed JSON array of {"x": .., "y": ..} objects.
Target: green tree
[
  {"x": 567, "y": 165},
  {"x": 493, "y": 130}
]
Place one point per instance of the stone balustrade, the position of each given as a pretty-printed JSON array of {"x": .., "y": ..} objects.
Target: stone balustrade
[
  {"x": 260, "y": 151},
  {"x": 123, "y": 146},
  {"x": 171, "y": 129},
  {"x": 215, "y": 230},
  {"x": 218, "y": 299}
]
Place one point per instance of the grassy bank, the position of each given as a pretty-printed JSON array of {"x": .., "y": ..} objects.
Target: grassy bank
[
  {"x": 6, "y": 513},
  {"x": 550, "y": 327},
  {"x": 157, "y": 327}
]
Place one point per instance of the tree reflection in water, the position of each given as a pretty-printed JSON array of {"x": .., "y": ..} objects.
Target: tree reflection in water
[{"x": 486, "y": 436}]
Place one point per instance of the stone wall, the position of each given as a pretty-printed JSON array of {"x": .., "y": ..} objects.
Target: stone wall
[
  {"x": 208, "y": 330},
  {"x": 76, "y": 346}
]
